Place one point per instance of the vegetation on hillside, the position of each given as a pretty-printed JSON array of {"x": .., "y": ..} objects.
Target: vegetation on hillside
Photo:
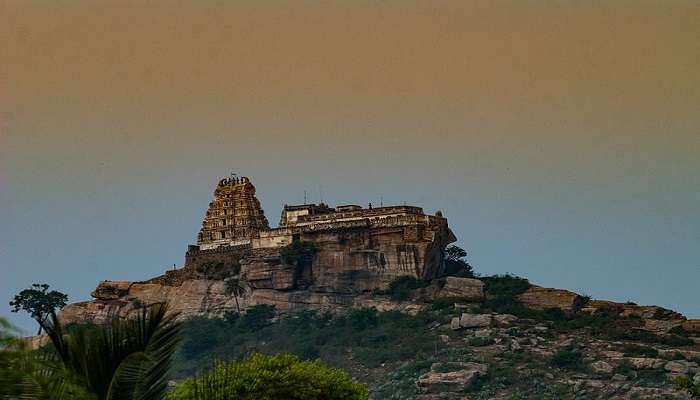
[
  {"x": 298, "y": 253},
  {"x": 362, "y": 338},
  {"x": 261, "y": 377}
]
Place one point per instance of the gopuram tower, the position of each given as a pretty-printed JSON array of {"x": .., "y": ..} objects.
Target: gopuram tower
[{"x": 233, "y": 217}]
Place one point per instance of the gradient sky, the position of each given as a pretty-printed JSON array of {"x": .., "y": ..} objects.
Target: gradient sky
[{"x": 560, "y": 138}]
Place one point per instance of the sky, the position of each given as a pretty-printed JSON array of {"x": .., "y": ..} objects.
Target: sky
[{"x": 561, "y": 139}]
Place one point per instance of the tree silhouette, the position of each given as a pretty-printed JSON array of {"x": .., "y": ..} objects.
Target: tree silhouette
[{"x": 39, "y": 302}]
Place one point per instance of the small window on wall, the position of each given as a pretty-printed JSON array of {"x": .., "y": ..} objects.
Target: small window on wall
[
  {"x": 223, "y": 222},
  {"x": 223, "y": 235}
]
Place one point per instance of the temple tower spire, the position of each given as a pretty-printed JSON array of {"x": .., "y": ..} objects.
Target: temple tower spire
[{"x": 234, "y": 216}]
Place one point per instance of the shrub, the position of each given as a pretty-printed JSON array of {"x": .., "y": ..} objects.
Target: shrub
[
  {"x": 635, "y": 350},
  {"x": 567, "y": 359},
  {"x": 651, "y": 377},
  {"x": 401, "y": 287},
  {"x": 257, "y": 317},
  {"x": 652, "y": 338},
  {"x": 299, "y": 253},
  {"x": 505, "y": 286},
  {"x": 684, "y": 383},
  {"x": 218, "y": 270},
  {"x": 481, "y": 341},
  {"x": 363, "y": 318},
  {"x": 261, "y": 377}
]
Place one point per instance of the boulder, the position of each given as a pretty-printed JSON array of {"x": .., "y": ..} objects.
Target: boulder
[
  {"x": 462, "y": 287},
  {"x": 475, "y": 320},
  {"x": 456, "y": 381},
  {"x": 504, "y": 319},
  {"x": 36, "y": 342},
  {"x": 650, "y": 312},
  {"x": 691, "y": 325},
  {"x": 644, "y": 362},
  {"x": 540, "y": 298},
  {"x": 601, "y": 367},
  {"x": 110, "y": 290},
  {"x": 454, "y": 324},
  {"x": 681, "y": 367},
  {"x": 660, "y": 326}
]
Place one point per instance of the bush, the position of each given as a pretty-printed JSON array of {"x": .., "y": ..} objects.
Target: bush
[
  {"x": 481, "y": 341},
  {"x": 218, "y": 270},
  {"x": 505, "y": 286},
  {"x": 299, "y": 253},
  {"x": 363, "y": 318},
  {"x": 401, "y": 287},
  {"x": 567, "y": 359},
  {"x": 684, "y": 383},
  {"x": 261, "y": 377},
  {"x": 635, "y": 350},
  {"x": 651, "y": 377},
  {"x": 256, "y": 317},
  {"x": 652, "y": 338}
]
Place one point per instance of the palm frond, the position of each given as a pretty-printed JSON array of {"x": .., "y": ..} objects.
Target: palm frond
[{"x": 126, "y": 359}]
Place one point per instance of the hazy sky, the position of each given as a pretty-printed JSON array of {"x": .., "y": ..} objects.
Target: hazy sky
[{"x": 560, "y": 138}]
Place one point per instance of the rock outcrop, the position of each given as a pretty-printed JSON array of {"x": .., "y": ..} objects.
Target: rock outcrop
[
  {"x": 458, "y": 380},
  {"x": 540, "y": 298}
]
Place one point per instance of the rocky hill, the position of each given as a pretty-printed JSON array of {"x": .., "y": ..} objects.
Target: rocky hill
[{"x": 378, "y": 292}]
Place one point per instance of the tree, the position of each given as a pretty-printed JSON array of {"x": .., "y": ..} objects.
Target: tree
[
  {"x": 262, "y": 377},
  {"x": 454, "y": 253},
  {"x": 237, "y": 287},
  {"x": 38, "y": 302},
  {"x": 298, "y": 253},
  {"x": 128, "y": 359},
  {"x": 455, "y": 263}
]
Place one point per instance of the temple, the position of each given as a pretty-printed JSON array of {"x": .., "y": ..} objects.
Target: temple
[
  {"x": 233, "y": 217},
  {"x": 357, "y": 249}
]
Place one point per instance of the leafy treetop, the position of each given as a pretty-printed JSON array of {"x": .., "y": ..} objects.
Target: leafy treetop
[
  {"x": 262, "y": 377},
  {"x": 39, "y": 302}
]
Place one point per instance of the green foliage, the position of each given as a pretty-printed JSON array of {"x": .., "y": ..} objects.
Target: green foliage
[
  {"x": 635, "y": 350},
  {"x": 256, "y": 317},
  {"x": 652, "y": 338},
  {"x": 39, "y": 302},
  {"x": 401, "y": 383},
  {"x": 363, "y": 318},
  {"x": 401, "y": 287},
  {"x": 127, "y": 359},
  {"x": 455, "y": 263},
  {"x": 362, "y": 337},
  {"x": 505, "y": 286},
  {"x": 567, "y": 359},
  {"x": 261, "y": 377},
  {"x": 299, "y": 253},
  {"x": 481, "y": 341},
  {"x": 651, "y": 377},
  {"x": 219, "y": 270},
  {"x": 237, "y": 288},
  {"x": 685, "y": 383}
]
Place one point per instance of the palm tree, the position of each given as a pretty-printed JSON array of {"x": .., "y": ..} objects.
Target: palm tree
[
  {"x": 237, "y": 287},
  {"x": 127, "y": 359}
]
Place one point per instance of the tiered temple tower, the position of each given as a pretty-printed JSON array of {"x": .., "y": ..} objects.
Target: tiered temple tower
[{"x": 233, "y": 217}]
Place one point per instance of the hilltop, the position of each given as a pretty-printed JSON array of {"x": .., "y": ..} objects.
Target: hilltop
[{"x": 382, "y": 293}]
